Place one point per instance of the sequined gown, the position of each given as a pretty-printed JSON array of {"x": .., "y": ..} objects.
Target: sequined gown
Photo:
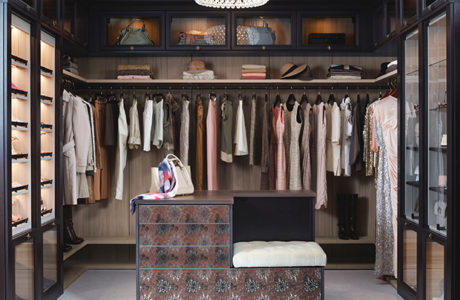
[{"x": 384, "y": 240}]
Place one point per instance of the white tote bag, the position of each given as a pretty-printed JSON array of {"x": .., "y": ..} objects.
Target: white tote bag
[{"x": 182, "y": 173}]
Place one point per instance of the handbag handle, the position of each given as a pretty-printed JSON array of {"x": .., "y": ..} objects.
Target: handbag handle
[{"x": 264, "y": 23}]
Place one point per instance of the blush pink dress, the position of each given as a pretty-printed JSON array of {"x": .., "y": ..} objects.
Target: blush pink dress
[
  {"x": 280, "y": 152},
  {"x": 211, "y": 145}
]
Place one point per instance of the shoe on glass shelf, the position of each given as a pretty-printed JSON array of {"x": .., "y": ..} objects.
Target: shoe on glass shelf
[{"x": 18, "y": 122}]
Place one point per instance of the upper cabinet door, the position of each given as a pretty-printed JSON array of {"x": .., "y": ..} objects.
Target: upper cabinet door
[
  {"x": 329, "y": 32},
  {"x": 411, "y": 127},
  {"x": 50, "y": 11},
  {"x": 409, "y": 11},
  {"x": 263, "y": 31},
  {"x": 139, "y": 32},
  {"x": 197, "y": 31},
  {"x": 437, "y": 125}
]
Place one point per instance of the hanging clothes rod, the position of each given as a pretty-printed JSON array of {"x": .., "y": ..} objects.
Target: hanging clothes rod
[{"x": 229, "y": 88}]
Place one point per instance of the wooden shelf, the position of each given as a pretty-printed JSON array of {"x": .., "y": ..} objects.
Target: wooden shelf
[
  {"x": 100, "y": 241},
  {"x": 313, "y": 82}
]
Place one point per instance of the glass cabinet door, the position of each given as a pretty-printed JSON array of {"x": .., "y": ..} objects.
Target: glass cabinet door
[
  {"x": 411, "y": 120},
  {"x": 263, "y": 30},
  {"x": 47, "y": 130},
  {"x": 138, "y": 31},
  {"x": 409, "y": 10},
  {"x": 437, "y": 125},
  {"x": 50, "y": 261},
  {"x": 328, "y": 31},
  {"x": 434, "y": 270},
  {"x": 24, "y": 270},
  {"x": 197, "y": 31},
  {"x": 409, "y": 275},
  {"x": 20, "y": 127}
]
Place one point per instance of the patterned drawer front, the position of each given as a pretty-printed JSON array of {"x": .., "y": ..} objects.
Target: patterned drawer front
[
  {"x": 184, "y": 257},
  {"x": 274, "y": 283},
  {"x": 184, "y": 284},
  {"x": 184, "y": 234},
  {"x": 184, "y": 214}
]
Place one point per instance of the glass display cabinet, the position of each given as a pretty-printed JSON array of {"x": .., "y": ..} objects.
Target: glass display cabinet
[
  {"x": 409, "y": 11},
  {"x": 33, "y": 130},
  {"x": 47, "y": 127},
  {"x": 265, "y": 30},
  {"x": 21, "y": 183},
  {"x": 424, "y": 162},
  {"x": 331, "y": 31},
  {"x": 198, "y": 31},
  {"x": 50, "y": 11},
  {"x": 138, "y": 31}
]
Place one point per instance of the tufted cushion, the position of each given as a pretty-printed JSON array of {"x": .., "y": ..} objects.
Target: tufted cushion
[{"x": 278, "y": 254}]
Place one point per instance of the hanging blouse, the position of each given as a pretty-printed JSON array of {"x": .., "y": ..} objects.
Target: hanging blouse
[
  {"x": 226, "y": 152},
  {"x": 185, "y": 131},
  {"x": 347, "y": 128},
  {"x": 148, "y": 123},
  {"x": 120, "y": 162},
  {"x": 170, "y": 107},
  {"x": 134, "y": 140},
  {"x": 240, "y": 139},
  {"x": 336, "y": 137},
  {"x": 158, "y": 114}
]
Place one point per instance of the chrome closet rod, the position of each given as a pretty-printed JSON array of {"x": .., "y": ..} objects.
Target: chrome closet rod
[{"x": 205, "y": 87}]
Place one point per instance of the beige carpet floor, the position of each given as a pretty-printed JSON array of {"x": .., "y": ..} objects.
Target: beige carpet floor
[{"x": 121, "y": 285}]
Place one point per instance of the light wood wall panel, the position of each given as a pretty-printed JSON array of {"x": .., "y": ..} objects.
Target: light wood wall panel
[{"x": 111, "y": 218}]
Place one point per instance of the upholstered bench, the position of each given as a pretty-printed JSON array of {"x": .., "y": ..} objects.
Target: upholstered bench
[{"x": 280, "y": 270}]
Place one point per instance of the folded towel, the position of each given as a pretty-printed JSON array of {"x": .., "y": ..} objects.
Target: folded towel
[
  {"x": 244, "y": 67},
  {"x": 133, "y": 77},
  {"x": 134, "y": 67},
  {"x": 263, "y": 75}
]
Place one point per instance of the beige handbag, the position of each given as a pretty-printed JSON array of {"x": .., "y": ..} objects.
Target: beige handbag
[{"x": 182, "y": 173}]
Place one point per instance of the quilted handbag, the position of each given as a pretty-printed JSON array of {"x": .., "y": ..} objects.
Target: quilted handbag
[
  {"x": 215, "y": 35},
  {"x": 182, "y": 173},
  {"x": 260, "y": 35},
  {"x": 134, "y": 36},
  {"x": 241, "y": 36}
]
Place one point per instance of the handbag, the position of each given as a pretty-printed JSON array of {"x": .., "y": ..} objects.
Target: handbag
[
  {"x": 134, "y": 36},
  {"x": 260, "y": 35},
  {"x": 215, "y": 35},
  {"x": 182, "y": 174}
]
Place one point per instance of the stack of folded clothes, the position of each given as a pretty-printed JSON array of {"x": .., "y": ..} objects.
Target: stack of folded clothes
[
  {"x": 344, "y": 72},
  {"x": 137, "y": 72},
  {"x": 253, "y": 72},
  {"x": 70, "y": 64},
  {"x": 197, "y": 71}
]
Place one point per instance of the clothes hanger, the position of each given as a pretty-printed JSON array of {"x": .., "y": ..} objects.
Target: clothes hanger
[
  {"x": 331, "y": 99},
  {"x": 290, "y": 102},
  {"x": 318, "y": 98},
  {"x": 278, "y": 101}
]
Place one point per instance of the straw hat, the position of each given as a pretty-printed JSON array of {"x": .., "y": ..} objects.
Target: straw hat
[{"x": 290, "y": 70}]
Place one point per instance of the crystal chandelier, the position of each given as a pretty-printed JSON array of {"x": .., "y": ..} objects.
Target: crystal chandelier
[{"x": 231, "y": 3}]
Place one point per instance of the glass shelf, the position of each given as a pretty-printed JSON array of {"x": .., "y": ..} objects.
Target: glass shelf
[
  {"x": 437, "y": 125},
  {"x": 20, "y": 131},
  {"x": 47, "y": 119},
  {"x": 143, "y": 31},
  {"x": 328, "y": 31},
  {"x": 198, "y": 31},
  {"x": 412, "y": 119}
]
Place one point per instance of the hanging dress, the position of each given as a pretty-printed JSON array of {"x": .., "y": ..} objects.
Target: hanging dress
[
  {"x": 306, "y": 157},
  {"x": 280, "y": 155},
  {"x": 211, "y": 145},
  {"x": 158, "y": 122},
  {"x": 347, "y": 129},
  {"x": 148, "y": 123},
  {"x": 185, "y": 131},
  {"x": 199, "y": 144},
  {"x": 121, "y": 155},
  {"x": 295, "y": 179},
  {"x": 384, "y": 238},
  {"x": 264, "y": 161},
  {"x": 134, "y": 140},
  {"x": 321, "y": 180},
  {"x": 252, "y": 130}
]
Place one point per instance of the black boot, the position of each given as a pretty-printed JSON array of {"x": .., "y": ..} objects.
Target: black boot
[
  {"x": 70, "y": 237},
  {"x": 342, "y": 211},
  {"x": 352, "y": 213},
  {"x": 66, "y": 248}
]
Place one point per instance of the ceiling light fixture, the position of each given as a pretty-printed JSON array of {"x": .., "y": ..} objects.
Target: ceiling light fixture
[{"x": 231, "y": 3}]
